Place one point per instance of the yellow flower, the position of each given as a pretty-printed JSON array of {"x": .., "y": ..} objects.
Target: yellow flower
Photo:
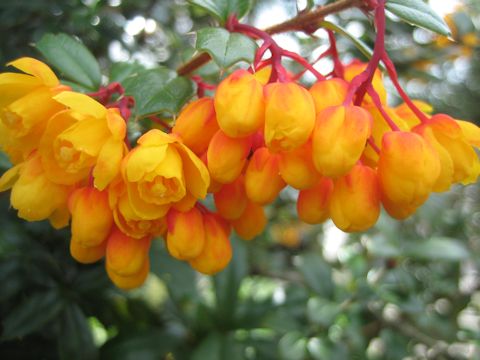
[
  {"x": 161, "y": 172},
  {"x": 239, "y": 104},
  {"x": 289, "y": 116},
  {"x": 339, "y": 138},
  {"x": 197, "y": 124},
  {"x": 226, "y": 156},
  {"x": 85, "y": 136},
  {"x": 231, "y": 199},
  {"x": 26, "y": 103},
  {"x": 326, "y": 93},
  {"x": 34, "y": 195},
  {"x": 186, "y": 233},
  {"x": 126, "y": 219},
  {"x": 262, "y": 178},
  {"x": 251, "y": 222},
  {"x": 92, "y": 218},
  {"x": 313, "y": 204},
  {"x": 127, "y": 260},
  {"x": 217, "y": 251},
  {"x": 408, "y": 169},
  {"x": 296, "y": 167},
  {"x": 355, "y": 200}
]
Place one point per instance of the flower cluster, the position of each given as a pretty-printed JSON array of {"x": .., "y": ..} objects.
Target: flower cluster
[
  {"x": 338, "y": 142},
  {"x": 72, "y": 161}
]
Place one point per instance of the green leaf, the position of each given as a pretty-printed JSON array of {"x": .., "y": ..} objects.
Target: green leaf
[
  {"x": 210, "y": 348},
  {"x": 71, "y": 58},
  {"x": 228, "y": 282},
  {"x": 119, "y": 72},
  {"x": 158, "y": 90},
  {"x": 221, "y": 9},
  {"x": 149, "y": 344},
  {"x": 418, "y": 13},
  {"x": 317, "y": 274},
  {"x": 4, "y": 162},
  {"x": 437, "y": 248},
  {"x": 293, "y": 346},
  {"x": 224, "y": 47},
  {"x": 32, "y": 314},
  {"x": 76, "y": 337}
]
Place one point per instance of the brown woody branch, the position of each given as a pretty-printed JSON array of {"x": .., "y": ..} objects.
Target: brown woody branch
[{"x": 307, "y": 22}]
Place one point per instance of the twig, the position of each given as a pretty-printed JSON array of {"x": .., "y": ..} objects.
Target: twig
[{"x": 308, "y": 22}]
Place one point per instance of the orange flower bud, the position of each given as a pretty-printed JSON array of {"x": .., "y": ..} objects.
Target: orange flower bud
[
  {"x": 339, "y": 139},
  {"x": 262, "y": 178},
  {"x": 226, "y": 156},
  {"x": 128, "y": 282},
  {"x": 92, "y": 218},
  {"x": 313, "y": 204},
  {"x": 239, "y": 104},
  {"x": 297, "y": 168},
  {"x": 355, "y": 201},
  {"x": 217, "y": 251},
  {"x": 326, "y": 93},
  {"x": 87, "y": 254},
  {"x": 186, "y": 234},
  {"x": 445, "y": 178},
  {"x": 289, "y": 116},
  {"x": 126, "y": 255},
  {"x": 251, "y": 223},
  {"x": 231, "y": 199},
  {"x": 197, "y": 124},
  {"x": 466, "y": 166},
  {"x": 408, "y": 169},
  {"x": 470, "y": 131}
]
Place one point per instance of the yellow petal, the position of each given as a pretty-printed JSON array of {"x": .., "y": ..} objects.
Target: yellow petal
[
  {"x": 36, "y": 68},
  {"x": 155, "y": 137},
  {"x": 81, "y": 103},
  {"x": 143, "y": 160},
  {"x": 196, "y": 173},
  {"x": 116, "y": 124},
  {"x": 8, "y": 178},
  {"x": 108, "y": 163}
]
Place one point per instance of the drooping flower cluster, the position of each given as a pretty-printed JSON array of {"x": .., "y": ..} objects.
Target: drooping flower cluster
[{"x": 338, "y": 142}]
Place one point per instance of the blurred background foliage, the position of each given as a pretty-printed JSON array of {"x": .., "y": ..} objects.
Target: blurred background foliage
[{"x": 403, "y": 290}]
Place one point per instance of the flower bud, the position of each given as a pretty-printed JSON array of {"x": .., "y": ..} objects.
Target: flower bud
[
  {"x": 339, "y": 139},
  {"x": 251, "y": 223},
  {"x": 313, "y": 204},
  {"x": 326, "y": 93},
  {"x": 262, "y": 178},
  {"x": 466, "y": 166},
  {"x": 289, "y": 116},
  {"x": 197, "y": 124},
  {"x": 297, "y": 168},
  {"x": 408, "y": 169},
  {"x": 92, "y": 218},
  {"x": 132, "y": 281},
  {"x": 217, "y": 251},
  {"x": 231, "y": 200},
  {"x": 226, "y": 157},
  {"x": 239, "y": 104},
  {"x": 355, "y": 201},
  {"x": 87, "y": 254},
  {"x": 126, "y": 255},
  {"x": 186, "y": 234},
  {"x": 470, "y": 131}
]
